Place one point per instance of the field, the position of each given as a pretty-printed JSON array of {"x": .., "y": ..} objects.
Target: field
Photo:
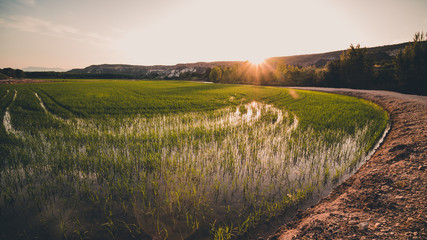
[{"x": 168, "y": 159}]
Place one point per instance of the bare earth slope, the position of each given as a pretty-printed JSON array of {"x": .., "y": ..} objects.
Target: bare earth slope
[{"x": 386, "y": 197}]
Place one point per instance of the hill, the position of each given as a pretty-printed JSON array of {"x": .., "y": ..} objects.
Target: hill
[
  {"x": 379, "y": 54},
  {"x": 156, "y": 71},
  {"x": 43, "y": 69}
]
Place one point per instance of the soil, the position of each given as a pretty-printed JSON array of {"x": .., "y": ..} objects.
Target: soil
[
  {"x": 16, "y": 81},
  {"x": 386, "y": 197}
]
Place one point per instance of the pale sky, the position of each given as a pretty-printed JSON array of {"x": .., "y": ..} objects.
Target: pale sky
[{"x": 78, "y": 33}]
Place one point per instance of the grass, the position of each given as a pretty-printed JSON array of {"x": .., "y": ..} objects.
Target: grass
[{"x": 169, "y": 159}]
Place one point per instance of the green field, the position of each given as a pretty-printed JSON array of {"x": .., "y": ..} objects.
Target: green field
[{"x": 106, "y": 159}]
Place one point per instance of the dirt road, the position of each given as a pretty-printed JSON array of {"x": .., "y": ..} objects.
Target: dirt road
[{"x": 387, "y": 197}]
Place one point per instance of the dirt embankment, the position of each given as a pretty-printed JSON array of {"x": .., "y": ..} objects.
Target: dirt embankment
[
  {"x": 386, "y": 197},
  {"x": 17, "y": 81}
]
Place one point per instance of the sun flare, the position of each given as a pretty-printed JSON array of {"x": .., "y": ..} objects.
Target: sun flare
[{"x": 256, "y": 60}]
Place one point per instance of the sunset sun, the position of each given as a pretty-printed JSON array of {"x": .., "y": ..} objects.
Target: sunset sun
[
  {"x": 256, "y": 60},
  {"x": 213, "y": 119}
]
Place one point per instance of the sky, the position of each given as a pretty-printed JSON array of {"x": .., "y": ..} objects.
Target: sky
[{"x": 78, "y": 33}]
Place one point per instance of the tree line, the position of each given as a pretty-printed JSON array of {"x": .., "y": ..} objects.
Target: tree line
[
  {"x": 406, "y": 72},
  {"x": 6, "y": 73}
]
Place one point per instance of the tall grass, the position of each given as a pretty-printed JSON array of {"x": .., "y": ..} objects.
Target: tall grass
[{"x": 214, "y": 173}]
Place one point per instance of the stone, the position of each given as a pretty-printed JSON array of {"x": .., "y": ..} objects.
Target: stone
[
  {"x": 363, "y": 225},
  {"x": 377, "y": 225}
]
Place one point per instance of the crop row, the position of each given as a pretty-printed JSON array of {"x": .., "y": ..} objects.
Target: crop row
[{"x": 211, "y": 173}]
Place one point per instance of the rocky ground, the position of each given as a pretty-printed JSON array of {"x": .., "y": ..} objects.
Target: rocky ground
[{"x": 386, "y": 197}]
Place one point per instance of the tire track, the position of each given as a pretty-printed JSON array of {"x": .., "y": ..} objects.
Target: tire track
[
  {"x": 7, "y": 120},
  {"x": 66, "y": 108},
  {"x": 45, "y": 109}
]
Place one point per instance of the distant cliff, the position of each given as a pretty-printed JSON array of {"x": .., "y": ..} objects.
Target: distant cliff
[
  {"x": 157, "y": 71},
  {"x": 43, "y": 69},
  {"x": 200, "y": 70}
]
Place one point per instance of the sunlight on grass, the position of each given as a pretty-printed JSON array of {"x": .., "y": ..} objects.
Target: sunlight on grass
[{"x": 223, "y": 160}]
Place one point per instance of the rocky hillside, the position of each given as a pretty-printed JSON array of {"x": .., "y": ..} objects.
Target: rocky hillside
[
  {"x": 43, "y": 69},
  {"x": 379, "y": 54},
  {"x": 157, "y": 71}
]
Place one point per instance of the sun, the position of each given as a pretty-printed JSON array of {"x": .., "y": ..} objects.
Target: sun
[{"x": 256, "y": 60}]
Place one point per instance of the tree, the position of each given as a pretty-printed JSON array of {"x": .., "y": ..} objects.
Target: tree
[
  {"x": 215, "y": 74},
  {"x": 13, "y": 73},
  {"x": 205, "y": 75},
  {"x": 332, "y": 74},
  {"x": 3, "y": 76},
  {"x": 411, "y": 65},
  {"x": 355, "y": 67},
  {"x": 226, "y": 75},
  {"x": 19, "y": 73}
]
